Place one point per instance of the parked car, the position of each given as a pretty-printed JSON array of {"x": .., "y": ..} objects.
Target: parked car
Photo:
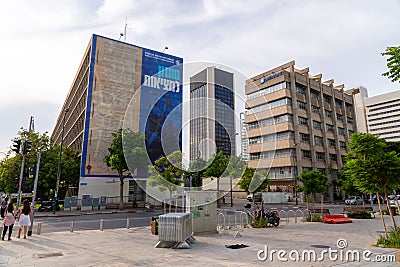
[
  {"x": 257, "y": 197},
  {"x": 393, "y": 199},
  {"x": 374, "y": 200},
  {"x": 353, "y": 200}
]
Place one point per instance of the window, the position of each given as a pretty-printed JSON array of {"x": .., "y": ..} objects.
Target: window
[
  {"x": 318, "y": 140},
  {"x": 341, "y": 131},
  {"x": 317, "y": 125},
  {"x": 320, "y": 156},
  {"x": 350, "y": 132},
  {"x": 339, "y": 117},
  {"x": 349, "y": 108},
  {"x": 321, "y": 170},
  {"x": 338, "y": 103},
  {"x": 301, "y": 105},
  {"x": 306, "y": 154},
  {"x": 328, "y": 113},
  {"x": 300, "y": 89},
  {"x": 342, "y": 144},
  {"x": 255, "y": 156},
  {"x": 305, "y": 137},
  {"x": 277, "y": 137},
  {"x": 327, "y": 99},
  {"x": 333, "y": 157},
  {"x": 270, "y": 105},
  {"x": 350, "y": 120},
  {"x": 307, "y": 169},
  {"x": 314, "y": 94},
  {"x": 303, "y": 121},
  {"x": 270, "y": 121},
  {"x": 255, "y": 140},
  {"x": 269, "y": 90},
  {"x": 329, "y": 127},
  {"x": 331, "y": 142},
  {"x": 315, "y": 109}
]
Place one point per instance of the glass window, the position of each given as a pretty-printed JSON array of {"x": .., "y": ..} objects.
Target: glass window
[
  {"x": 331, "y": 142},
  {"x": 342, "y": 144},
  {"x": 341, "y": 131},
  {"x": 333, "y": 157},
  {"x": 270, "y": 105},
  {"x": 351, "y": 132},
  {"x": 339, "y": 117},
  {"x": 301, "y": 105},
  {"x": 300, "y": 89},
  {"x": 328, "y": 113},
  {"x": 338, "y": 103},
  {"x": 303, "y": 121},
  {"x": 318, "y": 140},
  {"x": 329, "y": 127},
  {"x": 327, "y": 99},
  {"x": 314, "y": 94},
  {"x": 305, "y": 137},
  {"x": 269, "y": 90},
  {"x": 350, "y": 120},
  {"x": 306, "y": 154},
  {"x": 317, "y": 125},
  {"x": 315, "y": 109},
  {"x": 349, "y": 108},
  {"x": 320, "y": 156}
]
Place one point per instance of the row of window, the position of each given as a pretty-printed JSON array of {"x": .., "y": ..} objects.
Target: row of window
[
  {"x": 318, "y": 155},
  {"x": 381, "y": 113},
  {"x": 383, "y": 123},
  {"x": 268, "y": 90},
  {"x": 270, "y": 121},
  {"x": 273, "y": 104},
  {"x": 281, "y": 153},
  {"x": 272, "y": 137},
  {"x": 385, "y": 107}
]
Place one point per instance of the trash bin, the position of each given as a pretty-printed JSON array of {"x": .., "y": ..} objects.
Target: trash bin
[{"x": 154, "y": 225}]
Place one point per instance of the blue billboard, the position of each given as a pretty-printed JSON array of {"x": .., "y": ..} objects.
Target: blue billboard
[{"x": 161, "y": 103}]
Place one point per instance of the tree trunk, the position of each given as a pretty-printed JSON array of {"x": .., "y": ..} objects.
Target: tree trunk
[
  {"x": 170, "y": 201},
  {"x": 390, "y": 210},
  {"x": 381, "y": 212},
  {"x": 121, "y": 191}
]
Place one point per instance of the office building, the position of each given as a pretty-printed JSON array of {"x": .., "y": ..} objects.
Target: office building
[
  {"x": 296, "y": 122},
  {"x": 111, "y": 73},
  {"x": 212, "y": 118}
]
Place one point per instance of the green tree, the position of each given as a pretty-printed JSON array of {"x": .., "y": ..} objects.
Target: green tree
[
  {"x": 196, "y": 171},
  {"x": 393, "y": 63},
  {"x": 166, "y": 173},
  {"x": 236, "y": 167},
  {"x": 372, "y": 168},
  {"x": 126, "y": 154},
  {"x": 253, "y": 182},
  {"x": 217, "y": 166},
  {"x": 312, "y": 182}
]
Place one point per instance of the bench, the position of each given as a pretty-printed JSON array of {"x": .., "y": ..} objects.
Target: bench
[
  {"x": 358, "y": 209},
  {"x": 319, "y": 211}
]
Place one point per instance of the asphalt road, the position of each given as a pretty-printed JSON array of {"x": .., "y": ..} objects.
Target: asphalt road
[{"x": 92, "y": 222}]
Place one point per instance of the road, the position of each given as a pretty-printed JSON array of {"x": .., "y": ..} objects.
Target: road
[{"x": 92, "y": 222}]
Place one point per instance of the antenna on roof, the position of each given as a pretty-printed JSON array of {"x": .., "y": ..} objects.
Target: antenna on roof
[
  {"x": 165, "y": 48},
  {"x": 123, "y": 34}
]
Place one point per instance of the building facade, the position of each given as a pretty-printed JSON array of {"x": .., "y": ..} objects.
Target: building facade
[
  {"x": 296, "y": 122},
  {"x": 381, "y": 114},
  {"x": 117, "y": 81},
  {"x": 212, "y": 117}
]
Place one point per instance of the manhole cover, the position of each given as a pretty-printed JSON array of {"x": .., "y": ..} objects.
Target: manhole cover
[
  {"x": 47, "y": 255},
  {"x": 320, "y": 246}
]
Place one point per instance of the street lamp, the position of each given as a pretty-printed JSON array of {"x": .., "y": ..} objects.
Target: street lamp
[
  {"x": 59, "y": 163},
  {"x": 295, "y": 173}
]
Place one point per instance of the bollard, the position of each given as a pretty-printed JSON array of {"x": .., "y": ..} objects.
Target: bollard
[
  {"x": 71, "y": 226},
  {"x": 128, "y": 225},
  {"x": 101, "y": 224},
  {"x": 39, "y": 228}
]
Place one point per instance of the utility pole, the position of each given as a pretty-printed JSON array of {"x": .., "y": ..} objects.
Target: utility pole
[{"x": 32, "y": 214}]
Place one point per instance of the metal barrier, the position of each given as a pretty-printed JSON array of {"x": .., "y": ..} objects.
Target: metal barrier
[{"x": 175, "y": 231}]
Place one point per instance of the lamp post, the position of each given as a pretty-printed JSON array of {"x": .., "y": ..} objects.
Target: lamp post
[
  {"x": 59, "y": 163},
  {"x": 295, "y": 173}
]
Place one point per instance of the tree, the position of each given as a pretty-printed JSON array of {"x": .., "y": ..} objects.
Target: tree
[
  {"x": 236, "y": 167},
  {"x": 372, "y": 168},
  {"x": 196, "y": 171},
  {"x": 217, "y": 166},
  {"x": 126, "y": 154},
  {"x": 393, "y": 63},
  {"x": 253, "y": 182},
  {"x": 313, "y": 182},
  {"x": 166, "y": 173}
]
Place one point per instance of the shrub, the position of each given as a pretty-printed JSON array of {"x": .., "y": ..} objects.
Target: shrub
[
  {"x": 315, "y": 218},
  {"x": 260, "y": 223},
  {"x": 360, "y": 215},
  {"x": 393, "y": 240}
]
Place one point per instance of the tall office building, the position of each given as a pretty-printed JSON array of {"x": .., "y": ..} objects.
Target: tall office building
[
  {"x": 244, "y": 155},
  {"x": 379, "y": 115},
  {"x": 296, "y": 122},
  {"x": 110, "y": 74},
  {"x": 212, "y": 118}
]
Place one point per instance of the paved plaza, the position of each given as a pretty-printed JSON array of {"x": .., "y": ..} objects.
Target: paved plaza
[{"x": 135, "y": 247}]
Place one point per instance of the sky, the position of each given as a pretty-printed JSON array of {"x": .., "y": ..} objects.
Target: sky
[{"x": 43, "y": 42}]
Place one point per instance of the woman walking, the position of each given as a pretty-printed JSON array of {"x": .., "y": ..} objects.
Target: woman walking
[
  {"x": 24, "y": 221},
  {"x": 9, "y": 221}
]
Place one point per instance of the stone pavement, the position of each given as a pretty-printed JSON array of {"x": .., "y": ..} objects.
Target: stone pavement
[{"x": 135, "y": 247}]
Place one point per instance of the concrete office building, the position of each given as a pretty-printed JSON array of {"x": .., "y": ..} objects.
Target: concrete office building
[
  {"x": 212, "y": 118},
  {"x": 296, "y": 122},
  {"x": 379, "y": 115},
  {"x": 110, "y": 74}
]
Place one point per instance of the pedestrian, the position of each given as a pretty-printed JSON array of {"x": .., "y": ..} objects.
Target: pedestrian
[
  {"x": 24, "y": 221},
  {"x": 4, "y": 203},
  {"x": 9, "y": 221}
]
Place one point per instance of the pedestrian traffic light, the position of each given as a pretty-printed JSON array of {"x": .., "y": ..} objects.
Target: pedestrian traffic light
[
  {"x": 16, "y": 146},
  {"x": 27, "y": 147}
]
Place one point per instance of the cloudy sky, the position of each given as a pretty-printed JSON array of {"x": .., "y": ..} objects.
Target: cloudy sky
[{"x": 43, "y": 41}]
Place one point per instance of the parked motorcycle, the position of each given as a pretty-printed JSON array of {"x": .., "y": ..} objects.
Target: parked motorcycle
[
  {"x": 272, "y": 217},
  {"x": 257, "y": 213}
]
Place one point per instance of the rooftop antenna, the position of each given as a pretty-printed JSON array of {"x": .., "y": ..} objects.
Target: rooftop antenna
[
  {"x": 165, "y": 48},
  {"x": 123, "y": 34}
]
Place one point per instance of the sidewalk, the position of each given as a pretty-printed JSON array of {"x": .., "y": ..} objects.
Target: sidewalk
[{"x": 135, "y": 247}]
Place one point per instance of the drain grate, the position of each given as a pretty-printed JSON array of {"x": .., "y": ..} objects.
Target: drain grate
[
  {"x": 320, "y": 246},
  {"x": 47, "y": 255}
]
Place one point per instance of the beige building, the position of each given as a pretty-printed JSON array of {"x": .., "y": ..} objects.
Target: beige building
[
  {"x": 296, "y": 122},
  {"x": 379, "y": 115}
]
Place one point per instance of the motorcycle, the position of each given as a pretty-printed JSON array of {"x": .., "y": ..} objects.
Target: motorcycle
[{"x": 272, "y": 216}]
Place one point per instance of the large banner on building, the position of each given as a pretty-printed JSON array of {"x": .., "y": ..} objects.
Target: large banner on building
[{"x": 161, "y": 102}]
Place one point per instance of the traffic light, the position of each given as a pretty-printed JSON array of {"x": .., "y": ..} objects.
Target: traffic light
[
  {"x": 32, "y": 170},
  {"x": 27, "y": 147},
  {"x": 16, "y": 146}
]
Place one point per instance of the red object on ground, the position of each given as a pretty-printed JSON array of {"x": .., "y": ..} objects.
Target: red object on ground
[{"x": 335, "y": 219}]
